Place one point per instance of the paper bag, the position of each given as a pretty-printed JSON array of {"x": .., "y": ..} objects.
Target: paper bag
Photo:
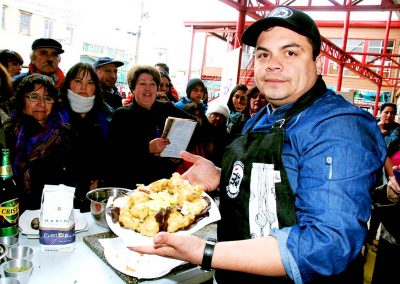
[{"x": 57, "y": 222}]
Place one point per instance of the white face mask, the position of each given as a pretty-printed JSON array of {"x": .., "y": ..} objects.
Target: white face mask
[{"x": 79, "y": 103}]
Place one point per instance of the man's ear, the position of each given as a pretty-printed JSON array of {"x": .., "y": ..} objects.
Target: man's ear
[{"x": 318, "y": 64}]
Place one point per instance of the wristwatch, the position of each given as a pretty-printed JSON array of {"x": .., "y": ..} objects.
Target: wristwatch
[{"x": 208, "y": 254}]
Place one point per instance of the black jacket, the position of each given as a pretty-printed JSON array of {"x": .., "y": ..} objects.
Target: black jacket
[{"x": 132, "y": 128}]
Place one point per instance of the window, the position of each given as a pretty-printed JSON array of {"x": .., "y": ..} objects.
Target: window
[
  {"x": 25, "y": 23},
  {"x": 48, "y": 28},
  {"x": 93, "y": 49},
  {"x": 376, "y": 46},
  {"x": 69, "y": 34},
  {"x": 358, "y": 46},
  {"x": 3, "y": 17},
  {"x": 111, "y": 51}
]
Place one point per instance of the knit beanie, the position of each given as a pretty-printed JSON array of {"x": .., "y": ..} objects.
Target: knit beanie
[
  {"x": 217, "y": 108},
  {"x": 193, "y": 83}
]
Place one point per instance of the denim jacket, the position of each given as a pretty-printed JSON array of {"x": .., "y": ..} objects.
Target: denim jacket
[{"x": 333, "y": 152}]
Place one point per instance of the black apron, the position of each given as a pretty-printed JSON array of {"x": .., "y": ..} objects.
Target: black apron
[{"x": 258, "y": 154}]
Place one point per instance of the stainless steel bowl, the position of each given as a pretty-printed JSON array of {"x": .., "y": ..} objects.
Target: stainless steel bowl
[
  {"x": 19, "y": 252},
  {"x": 9, "y": 280},
  {"x": 98, "y": 200}
]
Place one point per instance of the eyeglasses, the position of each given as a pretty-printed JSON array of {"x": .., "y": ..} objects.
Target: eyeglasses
[
  {"x": 257, "y": 96},
  {"x": 162, "y": 85},
  {"x": 239, "y": 97},
  {"x": 35, "y": 98}
]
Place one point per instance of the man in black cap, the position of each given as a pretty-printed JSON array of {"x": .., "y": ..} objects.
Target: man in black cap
[
  {"x": 45, "y": 57},
  {"x": 295, "y": 187},
  {"x": 107, "y": 71}
]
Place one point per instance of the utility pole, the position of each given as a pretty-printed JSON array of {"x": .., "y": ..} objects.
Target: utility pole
[{"x": 139, "y": 32}]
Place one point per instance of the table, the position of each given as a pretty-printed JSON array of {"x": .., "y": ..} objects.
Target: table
[{"x": 83, "y": 266}]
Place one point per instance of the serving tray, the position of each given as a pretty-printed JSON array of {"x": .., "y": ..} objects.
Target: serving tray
[{"x": 92, "y": 241}]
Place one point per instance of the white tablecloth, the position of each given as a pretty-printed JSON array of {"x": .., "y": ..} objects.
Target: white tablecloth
[
  {"x": 79, "y": 266},
  {"x": 83, "y": 266}
]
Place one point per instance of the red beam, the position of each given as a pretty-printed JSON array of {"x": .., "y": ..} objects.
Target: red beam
[
  {"x": 339, "y": 56},
  {"x": 336, "y": 8},
  {"x": 322, "y": 24}
]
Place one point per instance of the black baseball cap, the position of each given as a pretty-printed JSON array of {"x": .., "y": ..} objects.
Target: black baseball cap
[
  {"x": 286, "y": 17},
  {"x": 107, "y": 60},
  {"x": 47, "y": 43}
]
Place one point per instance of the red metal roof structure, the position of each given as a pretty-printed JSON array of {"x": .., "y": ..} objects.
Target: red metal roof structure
[{"x": 231, "y": 33}]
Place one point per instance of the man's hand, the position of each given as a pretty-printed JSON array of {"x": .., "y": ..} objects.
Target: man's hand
[
  {"x": 185, "y": 247},
  {"x": 203, "y": 172}
]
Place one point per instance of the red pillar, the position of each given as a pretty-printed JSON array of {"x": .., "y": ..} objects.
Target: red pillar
[
  {"x": 239, "y": 31},
  {"x": 344, "y": 46},
  {"x": 385, "y": 43},
  {"x": 240, "y": 23},
  {"x": 191, "y": 55}
]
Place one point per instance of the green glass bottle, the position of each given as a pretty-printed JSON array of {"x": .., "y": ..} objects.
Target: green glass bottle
[{"x": 9, "y": 202}]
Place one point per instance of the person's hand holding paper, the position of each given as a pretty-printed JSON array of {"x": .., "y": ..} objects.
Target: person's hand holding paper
[{"x": 178, "y": 131}]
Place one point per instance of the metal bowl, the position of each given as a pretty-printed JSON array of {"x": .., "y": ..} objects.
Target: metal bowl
[
  {"x": 19, "y": 252},
  {"x": 98, "y": 200},
  {"x": 9, "y": 280}
]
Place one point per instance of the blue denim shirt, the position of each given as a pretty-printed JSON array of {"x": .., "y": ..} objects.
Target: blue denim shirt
[{"x": 332, "y": 154}]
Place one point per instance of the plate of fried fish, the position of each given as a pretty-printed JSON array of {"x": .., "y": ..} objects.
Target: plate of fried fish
[{"x": 172, "y": 205}]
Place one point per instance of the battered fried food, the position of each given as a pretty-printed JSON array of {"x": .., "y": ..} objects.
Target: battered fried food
[{"x": 166, "y": 204}]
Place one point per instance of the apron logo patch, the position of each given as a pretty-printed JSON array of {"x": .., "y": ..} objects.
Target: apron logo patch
[{"x": 235, "y": 180}]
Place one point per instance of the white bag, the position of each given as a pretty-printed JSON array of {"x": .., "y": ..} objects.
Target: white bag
[{"x": 57, "y": 222}]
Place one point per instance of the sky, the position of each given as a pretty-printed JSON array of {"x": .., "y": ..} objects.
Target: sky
[{"x": 162, "y": 24}]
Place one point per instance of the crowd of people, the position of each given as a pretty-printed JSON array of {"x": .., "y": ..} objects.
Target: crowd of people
[
  {"x": 77, "y": 129},
  {"x": 296, "y": 167}
]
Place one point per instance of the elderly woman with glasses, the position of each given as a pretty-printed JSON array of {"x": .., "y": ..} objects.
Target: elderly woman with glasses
[{"x": 38, "y": 139}]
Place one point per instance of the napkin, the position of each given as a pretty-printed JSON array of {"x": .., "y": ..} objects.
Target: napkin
[
  {"x": 25, "y": 220},
  {"x": 135, "y": 264}
]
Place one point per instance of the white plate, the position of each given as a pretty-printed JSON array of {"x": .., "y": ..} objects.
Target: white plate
[
  {"x": 135, "y": 264},
  {"x": 25, "y": 220},
  {"x": 132, "y": 238}
]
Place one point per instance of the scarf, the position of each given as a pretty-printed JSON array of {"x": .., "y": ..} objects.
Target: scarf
[
  {"x": 58, "y": 76},
  {"x": 80, "y": 104},
  {"x": 35, "y": 142}
]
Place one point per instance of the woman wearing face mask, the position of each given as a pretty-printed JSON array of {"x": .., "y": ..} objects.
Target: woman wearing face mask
[{"x": 88, "y": 115}]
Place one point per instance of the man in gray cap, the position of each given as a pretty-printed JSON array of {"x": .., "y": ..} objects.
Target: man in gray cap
[
  {"x": 107, "y": 71},
  {"x": 45, "y": 57},
  {"x": 295, "y": 187}
]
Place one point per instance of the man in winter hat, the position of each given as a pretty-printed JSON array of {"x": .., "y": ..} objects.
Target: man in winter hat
[{"x": 195, "y": 92}]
